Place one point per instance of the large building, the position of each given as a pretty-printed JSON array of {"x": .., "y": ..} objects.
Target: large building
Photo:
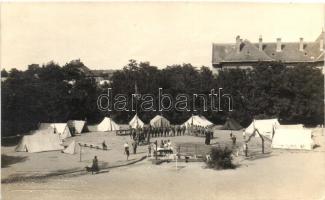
[{"x": 245, "y": 54}]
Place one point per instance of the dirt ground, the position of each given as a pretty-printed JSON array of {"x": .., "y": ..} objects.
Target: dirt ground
[{"x": 279, "y": 174}]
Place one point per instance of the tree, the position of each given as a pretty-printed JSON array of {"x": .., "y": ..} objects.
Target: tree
[
  {"x": 51, "y": 93},
  {"x": 4, "y": 73}
]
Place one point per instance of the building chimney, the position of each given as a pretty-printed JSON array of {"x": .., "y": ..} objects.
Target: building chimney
[
  {"x": 278, "y": 45},
  {"x": 321, "y": 45},
  {"x": 238, "y": 41},
  {"x": 260, "y": 43},
  {"x": 301, "y": 44}
]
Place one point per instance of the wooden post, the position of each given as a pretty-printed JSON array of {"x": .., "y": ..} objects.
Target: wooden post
[
  {"x": 262, "y": 145},
  {"x": 246, "y": 150},
  {"x": 80, "y": 152},
  {"x": 179, "y": 150},
  {"x": 156, "y": 149}
]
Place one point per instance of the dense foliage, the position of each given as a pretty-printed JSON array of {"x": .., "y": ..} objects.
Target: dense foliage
[
  {"x": 51, "y": 93},
  {"x": 221, "y": 158}
]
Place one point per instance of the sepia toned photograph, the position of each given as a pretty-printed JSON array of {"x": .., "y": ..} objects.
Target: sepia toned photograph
[{"x": 162, "y": 101}]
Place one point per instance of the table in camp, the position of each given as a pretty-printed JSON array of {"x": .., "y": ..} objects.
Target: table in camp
[
  {"x": 164, "y": 151},
  {"x": 123, "y": 132}
]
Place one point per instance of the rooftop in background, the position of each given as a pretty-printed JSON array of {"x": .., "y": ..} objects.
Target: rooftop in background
[
  {"x": 244, "y": 52},
  {"x": 103, "y": 73}
]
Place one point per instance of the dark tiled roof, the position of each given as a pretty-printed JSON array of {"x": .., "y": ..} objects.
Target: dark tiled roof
[
  {"x": 289, "y": 52},
  {"x": 249, "y": 52}
]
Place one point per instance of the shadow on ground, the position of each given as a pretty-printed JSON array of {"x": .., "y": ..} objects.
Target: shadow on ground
[
  {"x": 259, "y": 156},
  {"x": 68, "y": 173},
  {"x": 6, "y": 160}
]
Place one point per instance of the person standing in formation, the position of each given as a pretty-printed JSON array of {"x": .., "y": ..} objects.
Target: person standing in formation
[
  {"x": 183, "y": 129},
  {"x": 135, "y": 146},
  {"x": 173, "y": 130}
]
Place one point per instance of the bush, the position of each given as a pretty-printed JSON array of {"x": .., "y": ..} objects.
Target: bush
[{"x": 220, "y": 158}]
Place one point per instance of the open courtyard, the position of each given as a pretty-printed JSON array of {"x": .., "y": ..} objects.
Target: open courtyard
[{"x": 286, "y": 174}]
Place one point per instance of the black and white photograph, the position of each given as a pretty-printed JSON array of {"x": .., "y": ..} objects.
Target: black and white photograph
[{"x": 162, "y": 100}]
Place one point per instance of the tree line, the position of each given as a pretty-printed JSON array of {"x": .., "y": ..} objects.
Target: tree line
[{"x": 54, "y": 93}]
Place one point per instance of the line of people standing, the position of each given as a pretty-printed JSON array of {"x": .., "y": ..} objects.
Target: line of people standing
[{"x": 140, "y": 134}]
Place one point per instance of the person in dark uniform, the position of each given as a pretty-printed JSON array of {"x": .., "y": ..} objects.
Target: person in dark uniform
[
  {"x": 161, "y": 131},
  {"x": 94, "y": 167},
  {"x": 104, "y": 145},
  {"x": 135, "y": 146},
  {"x": 207, "y": 138},
  {"x": 173, "y": 130},
  {"x": 134, "y": 134},
  {"x": 131, "y": 133},
  {"x": 183, "y": 130},
  {"x": 234, "y": 140},
  {"x": 178, "y": 130}
]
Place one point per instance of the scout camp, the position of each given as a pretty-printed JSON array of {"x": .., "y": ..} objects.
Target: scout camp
[{"x": 162, "y": 101}]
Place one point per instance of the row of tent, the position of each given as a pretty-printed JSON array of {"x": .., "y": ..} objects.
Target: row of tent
[
  {"x": 49, "y": 136},
  {"x": 282, "y": 136},
  {"x": 158, "y": 121},
  {"x": 109, "y": 125}
]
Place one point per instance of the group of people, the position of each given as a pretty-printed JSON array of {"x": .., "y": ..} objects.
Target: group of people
[
  {"x": 143, "y": 135},
  {"x": 126, "y": 146},
  {"x": 197, "y": 130},
  {"x": 164, "y": 144},
  {"x": 151, "y": 132}
]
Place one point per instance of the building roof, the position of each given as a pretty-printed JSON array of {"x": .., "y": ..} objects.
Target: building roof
[
  {"x": 103, "y": 73},
  {"x": 249, "y": 52},
  {"x": 96, "y": 73}
]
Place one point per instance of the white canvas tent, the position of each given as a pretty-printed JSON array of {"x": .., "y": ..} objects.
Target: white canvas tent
[
  {"x": 59, "y": 128},
  {"x": 71, "y": 149},
  {"x": 265, "y": 127},
  {"x": 159, "y": 121},
  {"x": 291, "y": 126},
  {"x": 292, "y": 139},
  {"x": 107, "y": 125},
  {"x": 40, "y": 140},
  {"x": 136, "y": 122},
  {"x": 197, "y": 121}
]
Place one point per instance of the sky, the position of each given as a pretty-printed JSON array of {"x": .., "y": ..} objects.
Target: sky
[{"x": 106, "y": 35}]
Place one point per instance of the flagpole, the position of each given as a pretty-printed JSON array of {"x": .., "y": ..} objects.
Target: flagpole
[{"x": 136, "y": 93}]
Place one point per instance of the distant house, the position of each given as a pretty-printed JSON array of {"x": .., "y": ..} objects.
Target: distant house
[
  {"x": 101, "y": 76},
  {"x": 245, "y": 54}
]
